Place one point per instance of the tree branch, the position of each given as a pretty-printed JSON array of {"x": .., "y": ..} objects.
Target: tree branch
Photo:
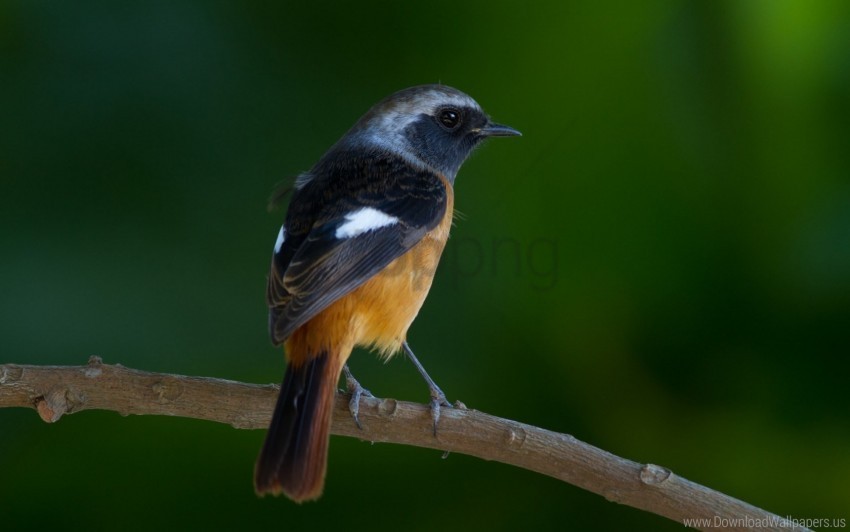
[{"x": 57, "y": 390}]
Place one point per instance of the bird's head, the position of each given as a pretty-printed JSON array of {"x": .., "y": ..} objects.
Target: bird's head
[{"x": 432, "y": 125}]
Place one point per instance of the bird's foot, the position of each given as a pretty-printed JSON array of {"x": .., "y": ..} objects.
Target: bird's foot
[
  {"x": 438, "y": 401},
  {"x": 438, "y": 398},
  {"x": 357, "y": 391}
]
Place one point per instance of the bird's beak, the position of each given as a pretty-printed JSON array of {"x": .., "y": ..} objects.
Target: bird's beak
[{"x": 498, "y": 130}]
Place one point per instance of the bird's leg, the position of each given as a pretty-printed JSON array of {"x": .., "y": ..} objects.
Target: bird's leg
[
  {"x": 438, "y": 398},
  {"x": 356, "y": 391}
]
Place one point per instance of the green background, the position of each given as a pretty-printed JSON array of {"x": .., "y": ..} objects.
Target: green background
[{"x": 660, "y": 266}]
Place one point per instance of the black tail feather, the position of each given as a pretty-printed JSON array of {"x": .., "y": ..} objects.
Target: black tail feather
[{"x": 294, "y": 455}]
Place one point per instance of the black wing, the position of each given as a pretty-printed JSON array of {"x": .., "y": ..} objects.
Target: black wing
[{"x": 315, "y": 266}]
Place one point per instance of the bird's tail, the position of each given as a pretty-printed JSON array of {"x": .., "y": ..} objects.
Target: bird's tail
[{"x": 295, "y": 454}]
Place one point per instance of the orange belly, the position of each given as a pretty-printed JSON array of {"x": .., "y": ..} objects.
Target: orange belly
[{"x": 378, "y": 313}]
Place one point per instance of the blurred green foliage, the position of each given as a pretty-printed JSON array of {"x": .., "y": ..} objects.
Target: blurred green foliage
[{"x": 660, "y": 266}]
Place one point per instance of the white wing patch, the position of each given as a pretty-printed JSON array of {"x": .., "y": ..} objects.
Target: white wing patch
[
  {"x": 281, "y": 236},
  {"x": 362, "y": 221}
]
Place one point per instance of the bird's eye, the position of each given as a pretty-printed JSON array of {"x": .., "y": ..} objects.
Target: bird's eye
[{"x": 449, "y": 118}]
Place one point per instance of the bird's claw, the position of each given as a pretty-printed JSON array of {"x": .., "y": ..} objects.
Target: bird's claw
[
  {"x": 357, "y": 391},
  {"x": 438, "y": 401}
]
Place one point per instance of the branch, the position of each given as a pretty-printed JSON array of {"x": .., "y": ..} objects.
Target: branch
[{"x": 57, "y": 390}]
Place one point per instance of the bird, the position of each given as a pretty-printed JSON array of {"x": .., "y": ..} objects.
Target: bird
[{"x": 353, "y": 263}]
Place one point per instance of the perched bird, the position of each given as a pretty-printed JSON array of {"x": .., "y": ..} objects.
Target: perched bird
[{"x": 354, "y": 260}]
